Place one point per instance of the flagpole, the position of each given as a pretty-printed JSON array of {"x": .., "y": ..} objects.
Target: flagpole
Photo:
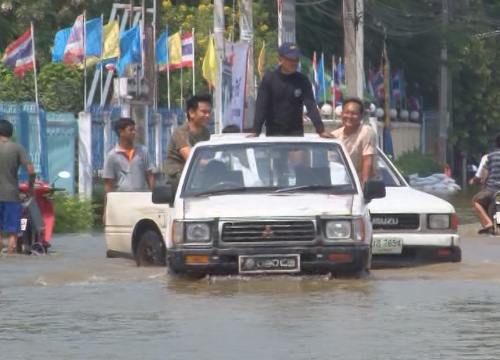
[
  {"x": 116, "y": 69},
  {"x": 102, "y": 62},
  {"x": 168, "y": 71},
  {"x": 37, "y": 102},
  {"x": 155, "y": 67},
  {"x": 182, "y": 68},
  {"x": 334, "y": 93},
  {"x": 84, "y": 61},
  {"x": 194, "y": 62}
]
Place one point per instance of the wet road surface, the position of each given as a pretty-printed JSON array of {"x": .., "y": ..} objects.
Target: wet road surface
[{"x": 76, "y": 304}]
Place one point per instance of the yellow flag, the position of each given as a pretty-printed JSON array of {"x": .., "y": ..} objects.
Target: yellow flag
[
  {"x": 209, "y": 63},
  {"x": 175, "y": 51},
  {"x": 111, "y": 43},
  {"x": 111, "y": 40},
  {"x": 261, "y": 65}
]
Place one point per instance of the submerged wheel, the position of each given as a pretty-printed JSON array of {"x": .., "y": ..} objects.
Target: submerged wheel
[
  {"x": 26, "y": 240},
  {"x": 151, "y": 250},
  {"x": 456, "y": 257}
]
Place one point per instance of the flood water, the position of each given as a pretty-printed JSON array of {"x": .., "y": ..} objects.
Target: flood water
[
  {"x": 462, "y": 201},
  {"x": 76, "y": 304}
]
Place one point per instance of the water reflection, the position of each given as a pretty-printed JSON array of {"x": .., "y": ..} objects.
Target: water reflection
[{"x": 272, "y": 286}]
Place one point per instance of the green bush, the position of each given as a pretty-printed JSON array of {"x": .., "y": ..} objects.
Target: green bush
[
  {"x": 414, "y": 162},
  {"x": 72, "y": 214}
]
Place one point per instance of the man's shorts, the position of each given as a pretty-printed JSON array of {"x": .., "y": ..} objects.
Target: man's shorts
[
  {"x": 484, "y": 198},
  {"x": 10, "y": 216}
]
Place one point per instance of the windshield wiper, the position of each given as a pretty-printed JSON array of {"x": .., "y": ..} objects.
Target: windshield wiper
[
  {"x": 305, "y": 187},
  {"x": 231, "y": 191}
]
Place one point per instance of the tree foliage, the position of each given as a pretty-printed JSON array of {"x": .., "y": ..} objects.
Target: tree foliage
[{"x": 413, "y": 30}]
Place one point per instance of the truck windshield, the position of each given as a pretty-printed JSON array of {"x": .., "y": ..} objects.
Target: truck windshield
[{"x": 263, "y": 167}]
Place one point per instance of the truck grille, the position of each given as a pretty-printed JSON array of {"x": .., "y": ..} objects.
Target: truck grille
[
  {"x": 267, "y": 231},
  {"x": 395, "y": 221}
]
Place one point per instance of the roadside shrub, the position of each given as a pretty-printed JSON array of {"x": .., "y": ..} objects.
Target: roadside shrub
[
  {"x": 72, "y": 214},
  {"x": 414, "y": 162}
]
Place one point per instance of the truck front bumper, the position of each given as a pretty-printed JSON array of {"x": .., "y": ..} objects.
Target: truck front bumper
[{"x": 255, "y": 260}]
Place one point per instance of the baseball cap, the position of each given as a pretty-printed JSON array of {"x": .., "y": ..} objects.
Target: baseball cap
[{"x": 289, "y": 50}]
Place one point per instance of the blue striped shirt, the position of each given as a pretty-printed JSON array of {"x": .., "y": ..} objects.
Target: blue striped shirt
[{"x": 493, "y": 167}]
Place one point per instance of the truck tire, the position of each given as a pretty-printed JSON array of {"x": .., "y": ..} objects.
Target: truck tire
[
  {"x": 151, "y": 250},
  {"x": 456, "y": 257}
]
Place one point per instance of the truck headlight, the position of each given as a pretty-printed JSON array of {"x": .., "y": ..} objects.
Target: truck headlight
[
  {"x": 197, "y": 232},
  {"x": 439, "y": 221},
  {"x": 338, "y": 229}
]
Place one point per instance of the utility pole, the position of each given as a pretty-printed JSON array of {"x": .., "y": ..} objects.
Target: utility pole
[
  {"x": 246, "y": 21},
  {"x": 353, "y": 47},
  {"x": 360, "y": 55},
  {"x": 443, "y": 94},
  {"x": 219, "y": 34}
]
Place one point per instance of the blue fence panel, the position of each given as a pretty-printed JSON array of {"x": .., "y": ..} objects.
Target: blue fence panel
[
  {"x": 99, "y": 116},
  {"x": 61, "y": 136},
  {"x": 97, "y": 137},
  {"x": 29, "y": 132}
]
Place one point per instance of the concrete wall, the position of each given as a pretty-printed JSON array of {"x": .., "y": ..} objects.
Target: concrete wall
[{"x": 406, "y": 136}]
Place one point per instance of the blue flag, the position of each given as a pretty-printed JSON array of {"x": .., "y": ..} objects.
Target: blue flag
[
  {"x": 93, "y": 43},
  {"x": 130, "y": 48},
  {"x": 321, "y": 77},
  {"x": 60, "y": 42},
  {"x": 162, "y": 49},
  {"x": 93, "y": 35}
]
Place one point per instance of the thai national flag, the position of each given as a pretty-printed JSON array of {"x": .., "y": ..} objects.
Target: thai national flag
[
  {"x": 19, "y": 55},
  {"x": 74, "y": 53}
]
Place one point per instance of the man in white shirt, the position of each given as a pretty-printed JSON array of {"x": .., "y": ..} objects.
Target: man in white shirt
[{"x": 478, "y": 177}]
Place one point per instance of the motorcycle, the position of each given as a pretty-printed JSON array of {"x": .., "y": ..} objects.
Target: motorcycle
[{"x": 37, "y": 220}]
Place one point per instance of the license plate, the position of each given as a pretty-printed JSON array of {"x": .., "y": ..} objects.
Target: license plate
[
  {"x": 261, "y": 264},
  {"x": 24, "y": 223},
  {"x": 387, "y": 246}
]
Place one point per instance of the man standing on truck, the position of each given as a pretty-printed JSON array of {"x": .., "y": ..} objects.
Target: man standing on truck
[
  {"x": 281, "y": 98},
  {"x": 12, "y": 156},
  {"x": 128, "y": 166},
  {"x": 199, "y": 112},
  {"x": 359, "y": 139}
]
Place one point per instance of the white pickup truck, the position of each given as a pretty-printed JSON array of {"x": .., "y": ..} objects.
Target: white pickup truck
[{"x": 251, "y": 206}]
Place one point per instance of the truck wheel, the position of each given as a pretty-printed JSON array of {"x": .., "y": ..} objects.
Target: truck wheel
[
  {"x": 151, "y": 250},
  {"x": 457, "y": 255}
]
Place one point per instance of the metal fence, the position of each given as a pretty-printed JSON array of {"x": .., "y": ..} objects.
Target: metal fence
[
  {"x": 49, "y": 138},
  {"x": 104, "y": 138},
  {"x": 62, "y": 133}
]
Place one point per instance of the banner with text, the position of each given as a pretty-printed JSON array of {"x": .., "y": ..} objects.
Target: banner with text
[{"x": 239, "y": 82}]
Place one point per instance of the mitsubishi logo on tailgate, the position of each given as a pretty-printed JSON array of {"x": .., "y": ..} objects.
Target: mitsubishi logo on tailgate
[
  {"x": 268, "y": 231},
  {"x": 385, "y": 220}
]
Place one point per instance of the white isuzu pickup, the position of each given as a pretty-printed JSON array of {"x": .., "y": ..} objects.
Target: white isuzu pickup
[{"x": 251, "y": 206}]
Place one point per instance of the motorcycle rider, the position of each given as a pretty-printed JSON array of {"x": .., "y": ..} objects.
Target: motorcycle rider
[
  {"x": 12, "y": 156},
  {"x": 484, "y": 198}
]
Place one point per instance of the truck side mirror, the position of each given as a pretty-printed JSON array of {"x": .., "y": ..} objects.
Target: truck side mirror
[
  {"x": 163, "y": 194},
  {"x": 373, "y": 189}
]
